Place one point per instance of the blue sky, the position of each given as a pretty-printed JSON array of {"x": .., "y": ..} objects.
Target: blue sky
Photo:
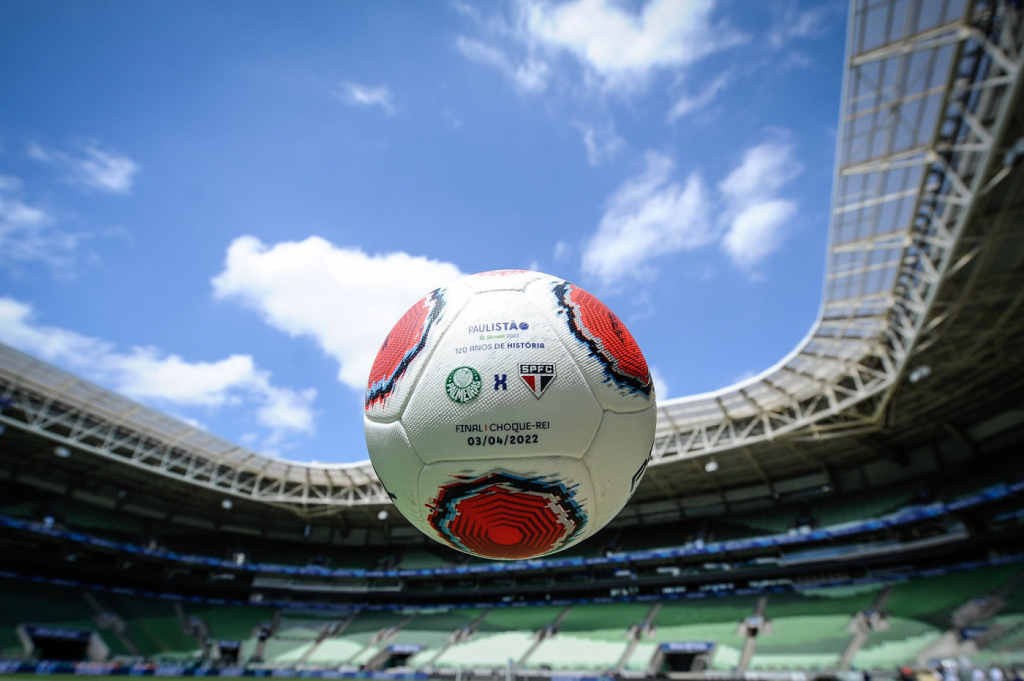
[{"x": 220, "y": 208}]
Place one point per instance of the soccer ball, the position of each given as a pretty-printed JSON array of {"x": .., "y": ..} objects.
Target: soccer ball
[{"x": 510, "y": 414}]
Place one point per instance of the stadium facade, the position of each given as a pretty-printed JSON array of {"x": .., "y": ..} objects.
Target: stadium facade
[{"x": 858, "y": 505}]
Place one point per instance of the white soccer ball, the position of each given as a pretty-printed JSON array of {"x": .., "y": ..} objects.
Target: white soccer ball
[{"x": 510, "y": 414}]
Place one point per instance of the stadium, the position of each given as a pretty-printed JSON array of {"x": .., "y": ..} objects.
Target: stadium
[{"x": 856, "y": 508}]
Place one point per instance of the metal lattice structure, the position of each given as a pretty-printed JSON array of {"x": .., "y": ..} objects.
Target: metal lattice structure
[
  {"x": 928, "y": 96},
  {"x": 71, "y": 412}
]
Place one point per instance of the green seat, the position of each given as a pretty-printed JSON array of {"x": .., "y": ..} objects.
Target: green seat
[
  {"x": 894, "y": 653},
  {"x": 25, "y": 602},
  {"x": 592, "y": 636},
  {"x": 809, "y": 630},
  {"x": 153, "y": 626},
  {"x": 920, "y": 610},
  {"x": 231, "y": 622},
  {"x": 566, "y": 651},
  {"x": 333, "y": 651},
  {"x": 714, "y": 619},
  {"x": 488, "y": 649},
  {"x": 432, "y": 631},
  {"x": 506, "y": 633},
  {"x": 933, "y": 599},
  {"x": 603, "y": 621},
  {"x": 353, "y": 645},
  {"x": 284, "y": 653},
  {"x": 300, "y": 629},
  {"x": 862, "y": 505},
  {"x": 412, "y": 559},
  {"x": 802, "y": 642}
]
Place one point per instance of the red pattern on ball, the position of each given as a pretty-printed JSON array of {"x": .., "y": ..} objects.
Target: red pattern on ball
[
  {"x": 604, "y": 326},
  {"x": 398, "y": 347},
  {"x": 503, "y": 523}
]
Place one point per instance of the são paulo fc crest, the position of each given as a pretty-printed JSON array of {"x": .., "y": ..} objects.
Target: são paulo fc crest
[{"x": 537, "y": 377}]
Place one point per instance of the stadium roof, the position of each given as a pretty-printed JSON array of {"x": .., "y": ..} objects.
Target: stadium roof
[{"x": 923, "y": 276}]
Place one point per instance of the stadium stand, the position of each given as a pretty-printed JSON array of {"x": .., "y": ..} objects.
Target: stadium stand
[
  {"x": 711, "y": 618},
  {"x": 231, "y": 623},
  {"x": 328, "y": 647},
  {"x": 413, "y": 559},
  {"x": 667, "y": 534},
  {"x": 920, "y": 611},
  {"x": 590, "y": 636},
  {"x": 32, "y": 603},
  {"x": 303, "y": 627},
  {"x": 1007, "y": 646},
  {"x": 358, "y": 642},
  {"x": 867, "y": 504},
  {"x": 431, "y": 630},
  {"x": 909, "y": 505},
  {"x": 153, "y": 626},
  {"x": 844, "y": 532},
  {"x": 809, "y": 631},
  {"x": 512, "y": 631}
]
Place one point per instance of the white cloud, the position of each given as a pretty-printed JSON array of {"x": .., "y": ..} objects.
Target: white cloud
[
  {"x": 562, "y": 249},
  {"x": 151, "y": 375},
  {"x": 600, "y": 143},
  {"x": 465, "y": 9},
  {"x": 29, "y": 233},
  {"x": 661, "y": 386},
  {"x": 621, "y": 47},
  {"x": 453, "y": 121},
  {"x": 285, "y": 410},
  {"x": 687, "y": 104},
  {"x": 649, "y": 215},
  {"x": 92, "y": 168},
  {"x": 745, "y": 376},
  {"x": 790, "y": 22},
  {"x": 531, "y": 75},
  {"x": 343, "y": 299},
  {"x": 757, "y": 218},
  {"x": 9, "y": 183},
  {"x": 366, "y": 95},
  {"x": 758, "y": 231},
  {"x": 762, "y": 173}
]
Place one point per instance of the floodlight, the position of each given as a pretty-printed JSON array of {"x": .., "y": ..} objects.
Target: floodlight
[
  {"x": 383, "y": 515},
  {"x": 62, "y": 452},
  {"x": 920, "y": 373},
  {"x": 711, "y": 466},
  {"x": 226, "y": 504}
]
